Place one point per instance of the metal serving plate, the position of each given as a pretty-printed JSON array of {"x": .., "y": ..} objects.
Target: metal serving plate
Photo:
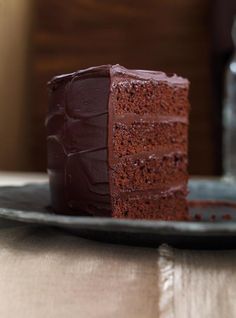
[{"x": 212, "y": 225}]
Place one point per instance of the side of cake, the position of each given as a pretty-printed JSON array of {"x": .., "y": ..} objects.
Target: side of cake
[
  {"x": 77, "y": 129},
  {"x": 148, "y": 144},
  {"x": 117, "y": 143}
]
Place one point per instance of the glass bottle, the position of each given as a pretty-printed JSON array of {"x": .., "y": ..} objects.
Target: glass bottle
[{"x": 229, "y": 116}]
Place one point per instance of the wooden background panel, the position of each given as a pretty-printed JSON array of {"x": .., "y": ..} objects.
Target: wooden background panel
[
  {"x": 167, "y": 35},
  {"x": 15, "y": 23}
]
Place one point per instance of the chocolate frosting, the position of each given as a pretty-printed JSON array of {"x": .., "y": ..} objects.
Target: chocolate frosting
[{"x": 77, "y": 141}]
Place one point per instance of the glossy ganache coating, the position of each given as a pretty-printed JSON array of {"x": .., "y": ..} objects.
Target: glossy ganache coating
[{"x": 77, "y": 141}]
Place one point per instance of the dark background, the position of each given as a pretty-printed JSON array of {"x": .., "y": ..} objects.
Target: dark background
[{"x": 188, "y": 37}]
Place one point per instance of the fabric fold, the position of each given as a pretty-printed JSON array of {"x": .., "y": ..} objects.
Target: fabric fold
[
  {"x": 197, "y": 283},
  {"x": 166, "y": 281}
]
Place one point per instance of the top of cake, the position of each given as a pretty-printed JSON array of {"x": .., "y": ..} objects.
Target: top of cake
[{"x": 117, "y": 69}]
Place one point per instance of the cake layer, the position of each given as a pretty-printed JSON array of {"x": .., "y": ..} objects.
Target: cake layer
[
  {"x": 171, "y": 205},
  {"x": 143, "y": 136},
  {"x": 146, "y": 172},
  {"x": 147, "y": 97}
]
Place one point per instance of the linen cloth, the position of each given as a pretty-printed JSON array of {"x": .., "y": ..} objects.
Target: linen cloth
[
  {"x": 197, "y": 283},
  {"x": 46, "y": 272}
]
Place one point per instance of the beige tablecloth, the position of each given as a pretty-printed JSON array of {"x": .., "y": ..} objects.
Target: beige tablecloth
[{"x": 49, "y": 273}]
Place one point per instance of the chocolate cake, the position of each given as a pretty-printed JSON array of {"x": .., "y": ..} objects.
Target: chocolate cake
[{"x": 117, "y": 143}]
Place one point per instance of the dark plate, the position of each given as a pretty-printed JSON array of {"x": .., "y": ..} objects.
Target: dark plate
[{"x": 212, "y": 225}]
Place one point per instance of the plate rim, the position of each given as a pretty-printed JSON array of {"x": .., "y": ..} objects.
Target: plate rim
[
  {"x": 171, "y": 228},
  {"x": 196, "y": 228}
]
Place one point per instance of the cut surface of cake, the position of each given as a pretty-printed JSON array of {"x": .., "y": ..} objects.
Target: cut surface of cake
[{"x": 117, "y": 143}]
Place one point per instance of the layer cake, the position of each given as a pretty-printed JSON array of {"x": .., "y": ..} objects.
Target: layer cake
[{"x": 117, "y": 143}]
